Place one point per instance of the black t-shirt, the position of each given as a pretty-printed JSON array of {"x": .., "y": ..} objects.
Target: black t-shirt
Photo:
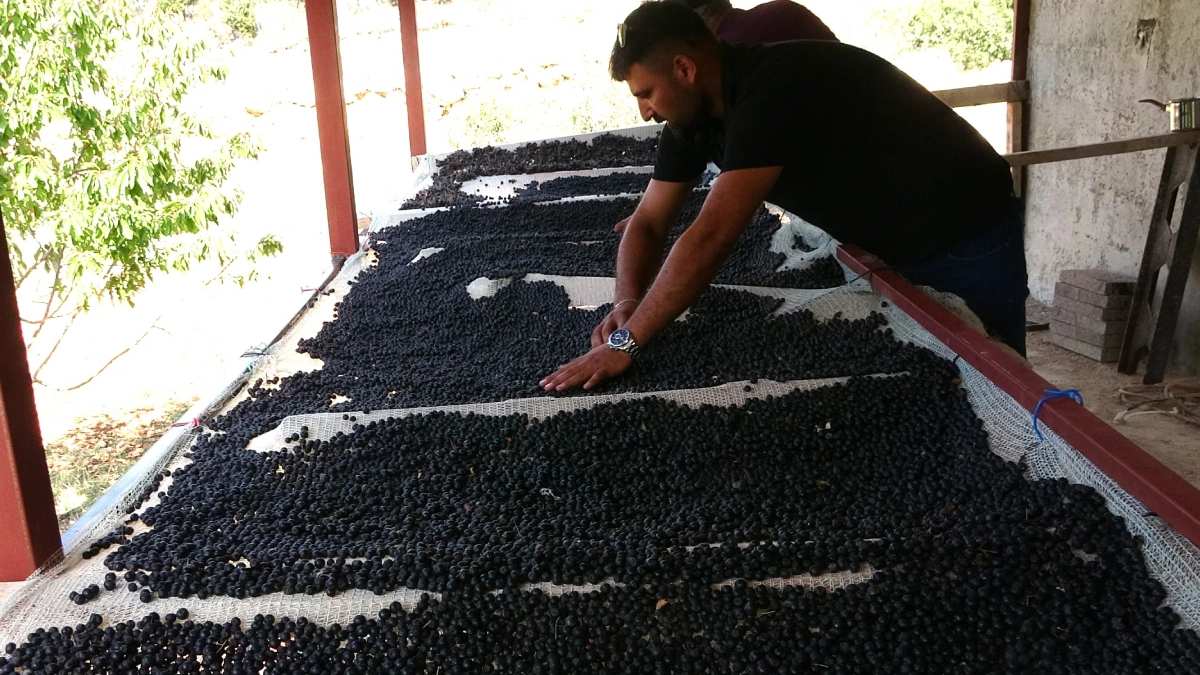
[{"x": 868, "y": 154}]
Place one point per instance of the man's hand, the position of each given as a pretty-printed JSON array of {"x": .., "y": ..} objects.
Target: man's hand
[
  {"x": 619, "y": 228},
  {"x": 616, "y": 318},
  {"x": 599, "y": 364}
]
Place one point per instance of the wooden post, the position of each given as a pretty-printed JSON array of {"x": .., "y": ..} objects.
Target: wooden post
[
  {"x": 412, "y": 77},
  {"x": 1017, "y": 124},
  {"x": 1150, "y": 331},
  {"x": 30, "y": 527},
  {"x": 331, "y": 127}
]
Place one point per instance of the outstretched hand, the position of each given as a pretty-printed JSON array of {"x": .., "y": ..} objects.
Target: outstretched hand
[{"x": 599, "y": 364}]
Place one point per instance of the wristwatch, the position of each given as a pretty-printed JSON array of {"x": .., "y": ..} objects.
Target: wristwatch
[{"x": 621, "y": 340}]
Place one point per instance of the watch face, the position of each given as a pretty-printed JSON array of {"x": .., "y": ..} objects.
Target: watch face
[{"x": 618, "y": 337}]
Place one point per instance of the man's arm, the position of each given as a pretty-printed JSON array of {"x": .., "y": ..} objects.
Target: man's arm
[
  {"x": 640, "y": 252},
  {"x": 702, "y": 249},
  {"x": 688, "y": 270}
]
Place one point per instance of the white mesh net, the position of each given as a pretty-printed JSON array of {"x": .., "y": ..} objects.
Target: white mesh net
[{"x": 43, "y": 601}]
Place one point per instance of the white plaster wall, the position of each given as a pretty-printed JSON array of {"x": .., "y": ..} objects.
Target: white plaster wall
[{"x": 1088, "y": 66}]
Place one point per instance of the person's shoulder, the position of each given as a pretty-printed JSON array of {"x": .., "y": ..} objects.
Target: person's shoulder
[
  {"x": 777, "y": 73},
  {"x": 780, "y": 58},
  {"x": 832, "y": 47},
  {"x": 818, "y": 57}
]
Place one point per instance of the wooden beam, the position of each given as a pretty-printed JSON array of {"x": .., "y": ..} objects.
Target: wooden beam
[
  {"x": 331, "y": 127},
  {"x": 1018, "y": 120},
  {"x": 412, "y": 77},
  {"x": 1016, "y": 142},
  {"x": 30, "y": 526},
  {"x": 984, "y": 94},
  {"x": 1020, "y": 55},
  {"x": 1102, "y": 149}
]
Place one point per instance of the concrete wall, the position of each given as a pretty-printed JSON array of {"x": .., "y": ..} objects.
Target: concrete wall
[{"x": 1089, "y": 63}]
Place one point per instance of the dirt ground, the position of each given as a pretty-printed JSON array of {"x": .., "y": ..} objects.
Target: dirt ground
[{"x": 1173, "y": 442}]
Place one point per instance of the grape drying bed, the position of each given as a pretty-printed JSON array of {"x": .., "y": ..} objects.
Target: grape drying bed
[{"x": 797, "y": 476}]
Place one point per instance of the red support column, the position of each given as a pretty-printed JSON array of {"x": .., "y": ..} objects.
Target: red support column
[
  {"x": 331, "y": 126},
  {"x": 412, "y": 77},
  {"x": 28, "y": 525}
]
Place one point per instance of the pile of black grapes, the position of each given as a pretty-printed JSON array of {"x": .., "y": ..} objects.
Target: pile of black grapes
[
  {"x": 606, "y": 150},
  {"x": 680, "y": 514},
  {"x": 569, "y": 186},
  {"x": 403, "y": 323},
  {"x": 975, "y": 568}
]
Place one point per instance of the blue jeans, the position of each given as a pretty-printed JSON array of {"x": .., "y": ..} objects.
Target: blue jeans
[{"x": 988, "y": 273}]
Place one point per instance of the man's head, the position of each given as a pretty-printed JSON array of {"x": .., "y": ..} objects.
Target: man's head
[
  {"x": 664, "y": 52},
  {"x": 712, "y": 11}
]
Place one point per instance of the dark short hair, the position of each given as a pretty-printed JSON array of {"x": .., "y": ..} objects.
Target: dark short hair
[
  {"x": 654, "y": 26},
  {"x": 704, "y": 4}
]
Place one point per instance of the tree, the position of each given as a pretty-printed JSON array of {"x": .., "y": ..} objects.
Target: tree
[
  {"x": 105, "y": 178},
  {"x": 977, "y": 33}
]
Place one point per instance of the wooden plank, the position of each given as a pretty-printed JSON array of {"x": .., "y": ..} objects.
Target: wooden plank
[
  {"x": 1105, "y": 340},
  {"x": 331, "y": 127},
  {"x": 1102, "y": 149},
  {"x": 1016, "y": 143},
  {"x": 1161, "y": 490},
  {"x": 1065, "y": 290},
  {"x": 1103, "y": 354},
  {"x": 1178, "y": 166},
  {"x": 412, "y": 77},
  {"x": 1020, "y": 47},
  {"x": 1018, "y": 119},
  {"x": 30, "y": 526},
  {"x": 1087, "y": 311},
  {"x": 1097, "y": 326},
  {"x": 984, "y": 94},
  {"x": 1183, "y": 250},
  {"x": 1099, "y": 281}
]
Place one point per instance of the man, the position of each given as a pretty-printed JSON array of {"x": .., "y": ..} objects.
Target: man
[
  {"x": 774, "y": 21},
  {"x": 825, "y": 130}
]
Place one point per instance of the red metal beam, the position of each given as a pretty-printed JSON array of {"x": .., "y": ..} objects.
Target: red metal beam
[
  {"x": 29, "y": 526},
  {"x": 412, "y": 77},
  {"x": 1141, "y": 475},
  {"x": 331, "y": 126}
]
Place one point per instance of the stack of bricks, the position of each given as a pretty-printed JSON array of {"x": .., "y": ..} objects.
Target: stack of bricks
[{"x": 1091, "y": 309}]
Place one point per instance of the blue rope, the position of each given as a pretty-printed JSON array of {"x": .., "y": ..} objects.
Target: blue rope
[{"x": 1050, "y": 395}]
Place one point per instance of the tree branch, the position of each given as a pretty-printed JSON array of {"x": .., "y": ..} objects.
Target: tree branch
[
  {"x": 38, "y": 370},
  {"x": 38, "y": 259},
  {"x": 116, "y": 356},
  {"x": 50, "y": 301},
  {"x": 52, "y": 317}
]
